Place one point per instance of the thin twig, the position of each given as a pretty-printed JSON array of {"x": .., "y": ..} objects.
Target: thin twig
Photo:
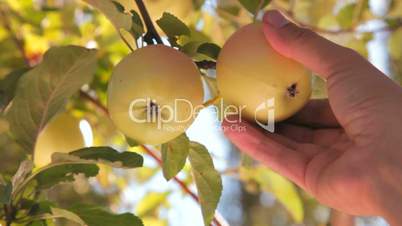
[{"x": 151, "y": 31}]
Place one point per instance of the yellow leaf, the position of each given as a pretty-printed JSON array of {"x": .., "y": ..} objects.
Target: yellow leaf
[
  {"x": 284, "y": 190},
  {"x": 150, "y": 202}
]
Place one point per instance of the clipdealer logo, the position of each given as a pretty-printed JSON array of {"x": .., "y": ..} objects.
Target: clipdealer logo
[
  {"x": 269, "y": 107},
  {"x": 146, "y": 110}
]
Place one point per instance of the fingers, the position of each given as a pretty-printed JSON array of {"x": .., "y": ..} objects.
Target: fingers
[
  {"x": 316, "y": 114},
  {"x": 315, "y": 52},
  {"x": 273, "y": 150},
  {"x": 356, "y": 89}
]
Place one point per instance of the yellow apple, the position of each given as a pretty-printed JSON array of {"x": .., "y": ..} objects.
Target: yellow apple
[
  {"x": 153, "y": 94},
  {"x": 61, "y": 134},
  {"x": 250, "y": 73}
]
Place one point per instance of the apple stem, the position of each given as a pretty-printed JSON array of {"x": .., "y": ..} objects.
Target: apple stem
[{"x": 152, "y": 34}]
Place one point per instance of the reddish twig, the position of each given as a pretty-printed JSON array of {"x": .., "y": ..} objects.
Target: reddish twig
[
  {"x": 150, "y": 152},
  {"x": 178, "y": 181}
]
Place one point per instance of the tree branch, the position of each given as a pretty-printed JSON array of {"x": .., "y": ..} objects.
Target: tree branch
[{"x": 151, "y": 34}]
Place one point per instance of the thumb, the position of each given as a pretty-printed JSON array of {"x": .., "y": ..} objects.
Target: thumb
[
  {"x": 308, "y": 48},
  {"x": 356, "y": 89}
]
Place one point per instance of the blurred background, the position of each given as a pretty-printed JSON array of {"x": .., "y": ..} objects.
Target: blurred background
[{"x": 253, "y": 195}]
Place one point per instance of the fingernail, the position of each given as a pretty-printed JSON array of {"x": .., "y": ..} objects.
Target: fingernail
[{"x": 275, "y": 18}]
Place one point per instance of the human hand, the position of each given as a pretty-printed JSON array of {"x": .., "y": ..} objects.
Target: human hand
[{"x": 347, "y": 150}]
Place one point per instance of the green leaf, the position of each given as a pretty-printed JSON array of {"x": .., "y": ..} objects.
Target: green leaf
[
  {"x": 44, "y": 90},
  {"x": 114, "y": 12},
  {"x": 95, "y": 216},
  {"x": 190, "y": 48},
  {"x": 35, "y": 207},
  {"x": 10, "y": 150},
  {"x": 122, "y": 21},
  {"x": 66, "y": 214},
  {"x": 38, "y": 223},
  {"x": 5, "y": 193},
  {"x": 24, "y": 170},
  {"x": 346, "y": 15},
  {"x": 131, "y": 142},
  {"x": 254, "y": 5},
  {"x": 172, "y": 26},
  {"x": 8, "y": 86},
  {"x": 104, "y": 155},
  {"x": 47, "y": 210},
  {"x": 207, "y": 180},
  {"x": 232, "y": 8},
  {"x": 174, "y": 155},
  {"x": 55, "y": 174},
  {"x": 118, "y": 6},
  {"x": 209, "y": 49},
  {"x": 137, "y": 27}
]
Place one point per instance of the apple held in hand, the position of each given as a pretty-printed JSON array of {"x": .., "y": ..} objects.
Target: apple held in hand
[
  {"x": 154, "y": 93},
  {"x": 61, "y": 134},
  {"x": 251, "y": 73}
]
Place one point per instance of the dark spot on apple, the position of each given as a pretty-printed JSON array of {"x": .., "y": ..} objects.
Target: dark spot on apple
[{"x": 292, "y": 90}]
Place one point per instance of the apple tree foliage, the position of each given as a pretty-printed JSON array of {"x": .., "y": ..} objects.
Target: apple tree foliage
[{"x": 58, "y": 56}]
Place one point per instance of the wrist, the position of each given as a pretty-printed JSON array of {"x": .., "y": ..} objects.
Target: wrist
[{"x": 389, "y": 197}]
